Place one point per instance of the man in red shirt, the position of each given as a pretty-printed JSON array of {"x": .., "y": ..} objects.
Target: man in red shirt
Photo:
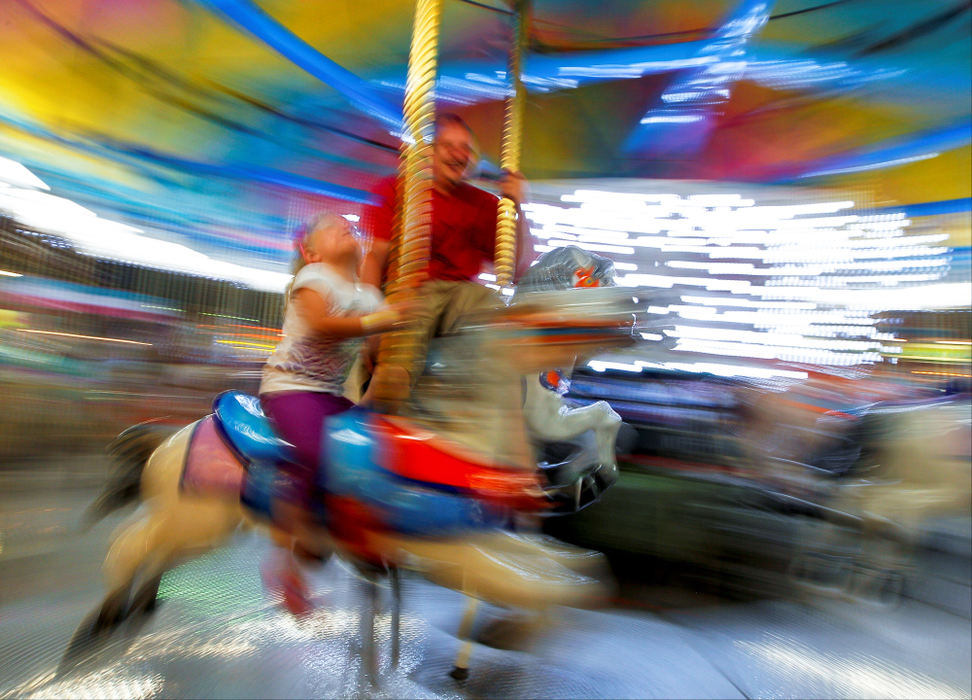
[{"x": 463, "y": 238}]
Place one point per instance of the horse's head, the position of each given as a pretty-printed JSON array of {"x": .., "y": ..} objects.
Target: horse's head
[
  {"x": 566, "y": 306},
  {"x": 552, "y": 328},
  {"x": 565, "y": 268}
]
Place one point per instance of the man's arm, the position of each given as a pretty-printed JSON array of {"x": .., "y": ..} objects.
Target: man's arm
[
  {"x": 373, "y": 265},
  {"x": 524, "y": 245},
  {"x": 379, "y": 218},
  {"x": 514, "y": 186}
]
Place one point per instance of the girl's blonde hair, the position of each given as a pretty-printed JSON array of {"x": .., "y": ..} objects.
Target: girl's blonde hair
[{"x": 304, "y": 232}]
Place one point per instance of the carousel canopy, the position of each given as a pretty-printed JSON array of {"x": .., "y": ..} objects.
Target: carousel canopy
[{"x": 212, "y": 126}]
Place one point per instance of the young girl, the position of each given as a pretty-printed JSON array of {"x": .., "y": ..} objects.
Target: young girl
[{"x": 327, "y": 313}]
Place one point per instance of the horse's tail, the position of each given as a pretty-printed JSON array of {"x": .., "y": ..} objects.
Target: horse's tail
[{"x": 129, "y": 452}]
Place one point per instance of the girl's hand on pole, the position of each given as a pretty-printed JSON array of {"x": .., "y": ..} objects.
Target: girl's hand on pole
[{"x": 391, "y": 317}]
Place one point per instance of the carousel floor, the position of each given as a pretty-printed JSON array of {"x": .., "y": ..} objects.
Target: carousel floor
[{"x": 216, "y": 634}]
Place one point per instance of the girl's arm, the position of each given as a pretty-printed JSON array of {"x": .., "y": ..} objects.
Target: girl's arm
[{"x": 317, "y": 313}]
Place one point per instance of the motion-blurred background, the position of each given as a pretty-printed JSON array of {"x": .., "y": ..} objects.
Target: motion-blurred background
[{"x": 792, "y": 178}]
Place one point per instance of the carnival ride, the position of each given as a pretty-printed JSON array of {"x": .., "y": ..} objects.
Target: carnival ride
[
  {"x": 386, "y": 539},
  {"x": 432, "y": 488}
]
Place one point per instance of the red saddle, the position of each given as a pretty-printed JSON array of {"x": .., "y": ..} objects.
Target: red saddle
[{"x": 419, "y": 455}]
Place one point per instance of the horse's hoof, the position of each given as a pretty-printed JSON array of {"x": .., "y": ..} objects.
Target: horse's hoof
[
  {"x": 459, "y": 674},
  {"x": 146, "y": 599},
  {"x": 109, "y": 618},
  {"x": 145, "y": 605}
]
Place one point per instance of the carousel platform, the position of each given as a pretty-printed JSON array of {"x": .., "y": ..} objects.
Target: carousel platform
[{"x": 217, "y": 634}]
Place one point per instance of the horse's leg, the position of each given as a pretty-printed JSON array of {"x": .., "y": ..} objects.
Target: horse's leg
[
  {"x": 145, "y": 598},
  {"x": 460, "y": 670},
  {"x": 187, "y": 528},
  {"x": 369, "y": 647},
  {"x": 123, "y": 560},
  {"x": 166, "y": 527},
  {"x": 169, "y": 526},
  {"x": 395, "y": 579},
  {"x": 600, "y": 418},
  {"x": 548, "y": 417},
  {"x": 606, "y": 431},
  {"x": 140, "y": 535}
]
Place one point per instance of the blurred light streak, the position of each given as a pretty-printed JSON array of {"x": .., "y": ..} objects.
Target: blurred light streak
[
  {"x": 235, "y": 318},
  {"x": 601, "y": 365},
  {"x": 846, "y": 356},
  {"x": 944, "y": 206},
  {"x": 937, "y": 296},
  {"x": 253, "y": 20},
  {"x": 252, "y": 336},
  {"x": 804, "y": 277},
  {"x": 596, "y": 247},
  {"x": 471, "y": 82},
  {"x": 873, "y": 166},
  {"x": 248, "y": 345},
  {"x": 749, "y": 303},
  {"x": 897, "y": 151},
  {"x": 714, "y": 368},
  {"x": 17, "y": 174},
  {"x": 6, "y": 273},
  {"x": 760, "y": 339},
  {"x": 672, "y": 119},
  {"x": 681, "y": 124},
  {"x": 276, "y": 332},
  {"x": 84, "y": 337}
]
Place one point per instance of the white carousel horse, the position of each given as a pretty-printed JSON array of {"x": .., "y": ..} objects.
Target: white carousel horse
[
  {"x": 454, "y": 537},
  {"x": 549, "y": 418},
  {"x": 547, "y": 415},
  {"x": 900, "y": 466}
]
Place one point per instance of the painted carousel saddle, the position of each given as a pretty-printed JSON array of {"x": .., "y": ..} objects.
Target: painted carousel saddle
[{"x": 235, "y": 451}]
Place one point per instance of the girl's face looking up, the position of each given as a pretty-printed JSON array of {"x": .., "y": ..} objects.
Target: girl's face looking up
[{"x": 332, "y": 241}]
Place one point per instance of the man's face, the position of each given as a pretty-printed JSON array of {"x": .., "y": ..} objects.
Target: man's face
[{"x": 452, "y": 153}]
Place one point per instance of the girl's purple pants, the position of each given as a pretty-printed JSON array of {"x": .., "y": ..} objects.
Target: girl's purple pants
[{"x": 298, "y": 417}]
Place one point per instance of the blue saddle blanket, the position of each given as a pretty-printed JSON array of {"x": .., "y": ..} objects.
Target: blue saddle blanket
[{"x": 247, "y": 430}]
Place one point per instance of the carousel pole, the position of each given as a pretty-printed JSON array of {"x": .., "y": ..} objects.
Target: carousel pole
[
  {"x": 408, "y": 260},
  {"x": 505, "y": 255}
]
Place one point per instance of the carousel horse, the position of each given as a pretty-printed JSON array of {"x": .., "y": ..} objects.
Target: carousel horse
[
  {"x": 431, "y": 496},
  {"x": 872, "y": 478},
  {"x": 590, "y": 430},
  {"x": 889, "y": 473},
  {"x": 575, "y": 445}
]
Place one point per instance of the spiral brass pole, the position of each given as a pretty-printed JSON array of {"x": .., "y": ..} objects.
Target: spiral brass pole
[
  {"x": 505, "y": 255},
  {"x": 409, "y": 254}
]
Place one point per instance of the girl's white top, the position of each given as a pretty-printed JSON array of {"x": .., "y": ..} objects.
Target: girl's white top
[{"x": 307, "y": 360}]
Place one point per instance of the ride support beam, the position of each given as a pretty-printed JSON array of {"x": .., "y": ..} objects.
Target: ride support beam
[
  {"x": 409, "y": 253},
  {"x": 504, "y": 260}
]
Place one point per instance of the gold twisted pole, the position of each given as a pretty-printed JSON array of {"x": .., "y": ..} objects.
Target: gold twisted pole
[
  {"x": 505, "y": 255},
  {"x": 408, "y": 263}
]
